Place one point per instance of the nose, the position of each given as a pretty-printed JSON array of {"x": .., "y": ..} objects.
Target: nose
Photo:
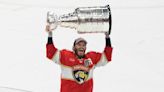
[{"x": 82, "y": 47}]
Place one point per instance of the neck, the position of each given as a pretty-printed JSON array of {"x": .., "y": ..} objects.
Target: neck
[{"x": 80, "y": 57}]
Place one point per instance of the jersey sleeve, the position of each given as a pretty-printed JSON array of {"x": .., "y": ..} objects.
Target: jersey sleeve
[
  {"x": 53, "y": 53},
  {"x": 105, "y": 57},
  {"x": 101, "y": 59}
]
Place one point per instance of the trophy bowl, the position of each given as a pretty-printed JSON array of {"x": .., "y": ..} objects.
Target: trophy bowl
[{"x": 84, "y": 19}]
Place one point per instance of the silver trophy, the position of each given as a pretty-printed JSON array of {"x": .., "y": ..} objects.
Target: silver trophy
[{"x": 84, "y": 19}]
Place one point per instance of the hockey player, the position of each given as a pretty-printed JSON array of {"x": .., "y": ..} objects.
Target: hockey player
[{"x": 77, "y": 66}]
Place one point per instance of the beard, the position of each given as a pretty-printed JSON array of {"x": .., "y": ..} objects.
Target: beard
[{"x": 79, "y": 56}]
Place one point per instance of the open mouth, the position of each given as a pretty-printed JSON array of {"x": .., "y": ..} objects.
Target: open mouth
[{"x": 81, "y": 50}]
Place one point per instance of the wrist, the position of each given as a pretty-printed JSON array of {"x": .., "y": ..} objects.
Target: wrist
[
  {"x": 106, "y": 35},
  {"x": 50, "y": 34}
]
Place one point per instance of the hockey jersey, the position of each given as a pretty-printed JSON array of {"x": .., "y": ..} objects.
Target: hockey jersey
[{"x": 77, "y": 74}]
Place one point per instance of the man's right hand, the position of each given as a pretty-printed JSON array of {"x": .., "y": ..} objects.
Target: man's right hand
[
  {"x": 49, "y": 30},
  {"x": 50, "y": 27}
]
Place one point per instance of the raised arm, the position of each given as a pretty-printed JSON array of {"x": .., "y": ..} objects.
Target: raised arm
[
  {"x": 103, "y": 58},
  {"x": 108, "y": 48},
  {"x": 52, "y": 52}
]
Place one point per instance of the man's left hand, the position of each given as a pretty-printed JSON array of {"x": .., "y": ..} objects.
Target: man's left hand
[{"x": 106, "y": 35}]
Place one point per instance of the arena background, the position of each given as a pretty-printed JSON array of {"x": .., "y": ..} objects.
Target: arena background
[{"x": 137, "y": 37}]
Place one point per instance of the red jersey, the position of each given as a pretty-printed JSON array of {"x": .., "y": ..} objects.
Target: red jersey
[{"x": 77, "y": 74}]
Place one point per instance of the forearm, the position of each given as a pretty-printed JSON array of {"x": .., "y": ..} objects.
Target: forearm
[
  {"x": 108, "y": 49},
  {"x": 107, "y": 38},
  {"x": 50, "y": 41},
  {"x": 106, "y": 56},
  {"x": 108, "y": 42},
  {"x": 50, "y": 48}
]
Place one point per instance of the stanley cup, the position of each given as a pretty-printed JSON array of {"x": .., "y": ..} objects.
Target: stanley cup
[{"x": 84, "y": 19}]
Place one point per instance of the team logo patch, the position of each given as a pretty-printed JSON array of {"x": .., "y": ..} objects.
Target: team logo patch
[
  {"x": 88, "y": 62},
  {"x": 80, "y": 73}
]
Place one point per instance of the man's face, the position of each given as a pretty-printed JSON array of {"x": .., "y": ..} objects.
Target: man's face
[{"x": 80, "y": 48}]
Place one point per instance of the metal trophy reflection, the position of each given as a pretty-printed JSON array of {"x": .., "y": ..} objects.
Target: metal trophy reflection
[{"x": 84, "y": 19}]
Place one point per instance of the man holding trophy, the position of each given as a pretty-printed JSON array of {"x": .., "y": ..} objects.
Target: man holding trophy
[{"x": 77, "y": 66}]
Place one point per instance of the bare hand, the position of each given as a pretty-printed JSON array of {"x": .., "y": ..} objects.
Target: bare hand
[
  {"x": 106, "y": 35},
  {"x": 47, "y": 28},
  {"x": 50, "y": 27}
]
